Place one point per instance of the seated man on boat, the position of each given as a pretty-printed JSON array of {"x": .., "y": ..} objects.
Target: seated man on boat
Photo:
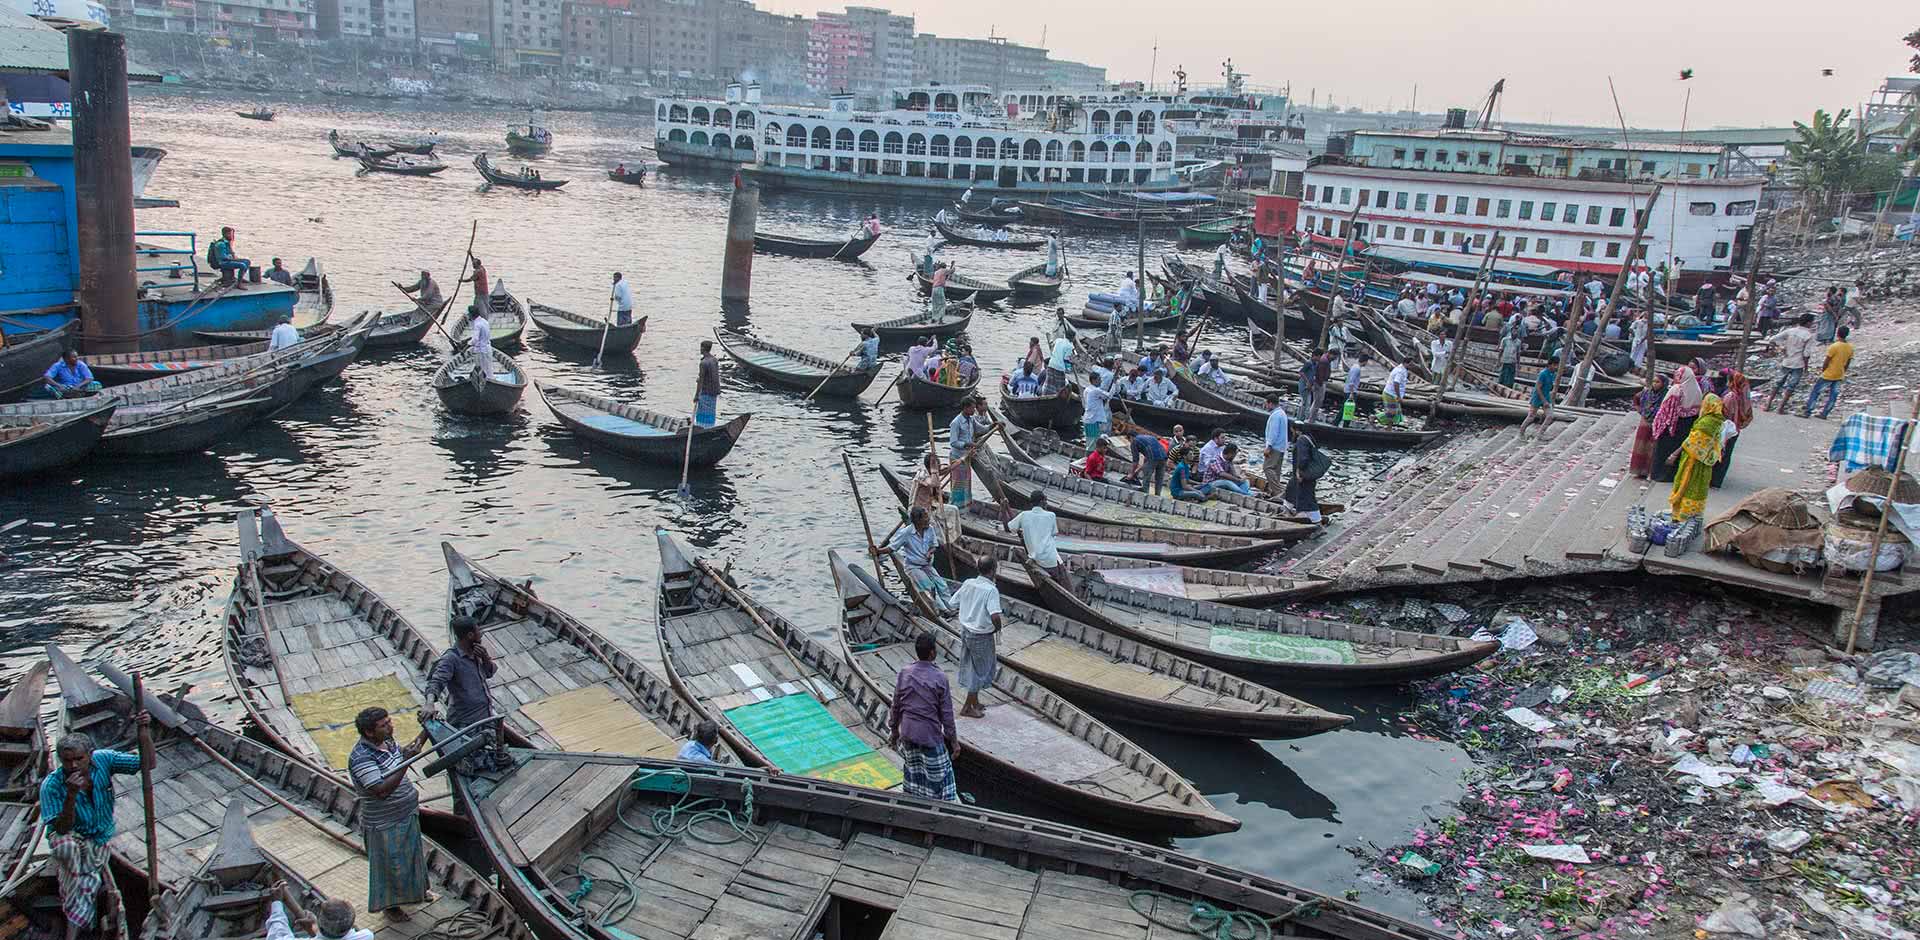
[
  {"x": 76, "y": 807},
  {"x": 425, "y": 292},
  {"x": 699, "y": 749},
  {"x": 1135, "y": 387},
  {"x": 279, "y": 273},
  {"x": 869, "y": 348},
  {"x": 70, "y": 377},
  {"x": 915, "y": 546},
  {"x": 920, "y": 725},
  {"x": 284, "y": 334},
  {"x": 980, "y": 621},
  {"x": 459, "y": 678},
  {"x": 1024, "y": 384},
  {"x": 389, "y": 814},
  {"x": 1161, "y": 390},
  {"x": 966, "y": 367},
  {"x": 220, "y": 257},
  {"x": 335, "y": 921}
]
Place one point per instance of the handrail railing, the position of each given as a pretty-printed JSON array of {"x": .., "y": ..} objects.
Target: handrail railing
[{"x": 192, "y": 252}]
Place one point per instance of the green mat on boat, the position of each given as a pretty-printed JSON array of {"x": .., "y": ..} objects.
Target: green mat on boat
[
  {"x": 801, "y": 737},
  {"x": 1280, "y": 647}
]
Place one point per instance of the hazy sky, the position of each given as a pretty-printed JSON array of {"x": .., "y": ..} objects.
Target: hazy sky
[{"x": 1755, "y": 63}]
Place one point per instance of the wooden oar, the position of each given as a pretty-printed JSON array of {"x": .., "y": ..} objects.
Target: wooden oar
[
  {"x": 686, "y": 462},
  {"x": 605, "y": 325},
  {"x": 896, "y": 381},
  {"x": 146, "y": 792},
  {"x": 830, "y": 375},
  {"x": 746, "y": 606}
]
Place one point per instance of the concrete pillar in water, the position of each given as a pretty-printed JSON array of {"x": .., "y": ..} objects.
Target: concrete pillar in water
[
  {"x": 103, "y": 188},
  {"x": 736, "y": 277}
]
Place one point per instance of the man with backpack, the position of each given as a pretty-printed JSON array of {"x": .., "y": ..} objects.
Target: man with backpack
[{"x": 220, "y": 257}]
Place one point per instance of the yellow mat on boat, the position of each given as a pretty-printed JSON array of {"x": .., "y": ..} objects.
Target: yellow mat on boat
[
  {"x": 328, "y": 714},
  {"x": 594, "y": 720}
]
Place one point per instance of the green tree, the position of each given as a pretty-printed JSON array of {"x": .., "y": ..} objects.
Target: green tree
[{"x": 1827, "y": 156}]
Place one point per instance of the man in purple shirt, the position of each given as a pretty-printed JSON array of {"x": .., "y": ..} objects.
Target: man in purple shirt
[{"x": 921, "y": 726}]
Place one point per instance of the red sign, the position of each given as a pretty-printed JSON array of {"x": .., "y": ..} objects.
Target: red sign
[{"x": 1274, "y": 214}]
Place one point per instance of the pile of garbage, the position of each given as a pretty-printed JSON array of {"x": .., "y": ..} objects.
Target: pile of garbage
[{"x": 1651, "y": 763}]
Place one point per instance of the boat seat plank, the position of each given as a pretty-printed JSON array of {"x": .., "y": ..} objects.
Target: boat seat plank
[
  {"x": 691, "y": 876},
  {"x": 593, "y": 719},
  {"x": 948, "y": 867},
  {"x": 528, "y": 787},
  {"x": 566, "y": 809}
]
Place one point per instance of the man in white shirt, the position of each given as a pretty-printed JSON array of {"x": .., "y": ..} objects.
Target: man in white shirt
[
  {"x": 1162, "y": 391},
  {"x": 1059, "y": 362},
  {"x": 1053, "y": 256},
  {"x": 622, "y": 300},
  {"x": 1441, "y": 352},
  {"x": 1210, "y": 451},
  {"x": 335, "y": 921},
  {"x": 1129, "y": 294},
  {"x": 1405, "y": 306},
  {"x": 1393, "y": 393},
  {"x": 1135, "y": 387},
  {"x": 1220, "y": 262},
  {"x": 966, "y": 197},
  {"x": 1039, "y": 534},
  {"x": 978, "y": 602},
  {"x": 1796, "y": 347},
  {"x": 284, "y": 334},
  {"x": 1274, "y": 465},
  {"x": 917, "y": 355},
  {"x": 482, "y": 332},
  {"x": 1096, "y": 413}
]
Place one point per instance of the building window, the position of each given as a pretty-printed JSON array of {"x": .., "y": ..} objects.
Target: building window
[
  {"x": 1586, "y": 249},
  {"x": 1439, "y": 237},
  {"x": 1343, "y": 228},
  {"x": 1459, "y": 205},
  {"x": 1399, "y": 154},
  {"x": 1720, "y": 249},
  {"x": 1572, "y": 214},
  {"x": 1419, "y": 156},
  {"x": 1419, "y": 236},
  {"x": 1699, "y": 208},
  {"x": 1459, "y": 238},
  {"x": 1519, "y": 159},
  {"x": 1399, "y": 200},
  {"x": 1503, "y": 209},
  {"x": 1380, "y": 199},
  {"x": 1346, "y": 195},
  {"x": 1399, "y": 233},
  {"x": 1310, "y": 191},
  {"x": 1359, "y": 230},
  {"x": 1365, "y": 194},
  {"x": 1646, "y": 168},
  {"x": 1486, "y": 159},
  {"x": 1526, "y": 209},
  {"x": 1539, "y": 246},
  {"x": 1326, "y": 226},
  {"x": 1419, "y": 202},
  {"x": 1593, "y": 215},
  {"x": 1480, "y": 206},
  {"x": 1743, "y": 207},
  {"x": 1460, "y": 155},
  {"x": 1479, "y": 241},
  {"x": 1440, "y": 156},
  {"x": 1546, "y": 211},
  {"x": 1617, "y": 218}
]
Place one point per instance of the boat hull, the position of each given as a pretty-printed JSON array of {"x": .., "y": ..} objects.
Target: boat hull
[
  {"x": 188, "y": 434},
  {"x": 24, "y": 362},
  {"x": 66, "y": 442},
  {"x": 682, "y": 155},
  {"x": 921, "y": 395}
]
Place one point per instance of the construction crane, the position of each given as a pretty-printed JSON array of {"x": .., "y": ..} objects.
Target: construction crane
[{"x": 1493, "y": 101}]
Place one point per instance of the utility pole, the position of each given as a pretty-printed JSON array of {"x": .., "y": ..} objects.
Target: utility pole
[
  {"x": 1577, "y": 393},
  {"x": 1140, "y": 279}
]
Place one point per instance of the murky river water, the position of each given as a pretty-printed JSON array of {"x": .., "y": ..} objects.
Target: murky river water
[{"x": 134, "y": 559}]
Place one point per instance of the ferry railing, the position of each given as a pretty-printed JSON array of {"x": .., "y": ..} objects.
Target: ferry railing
[{"x": 192, "y": 253}]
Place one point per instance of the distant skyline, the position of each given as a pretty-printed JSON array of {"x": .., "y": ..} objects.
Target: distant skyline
[{"x": 1752, "y": 65}]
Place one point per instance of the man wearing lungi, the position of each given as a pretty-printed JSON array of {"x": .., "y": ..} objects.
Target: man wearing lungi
[
  {"x": 920, "y": 726},
  {"x": 979, "y": 603},
  {"x": 962, "y": 431},
  {"x": 76, "y": 806},
  {"x": 915, "y": 546},
  {"x": 389, "y": 815}
]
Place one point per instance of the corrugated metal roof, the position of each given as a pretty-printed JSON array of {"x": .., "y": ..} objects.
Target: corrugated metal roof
[{"x": 30, "y": 46}]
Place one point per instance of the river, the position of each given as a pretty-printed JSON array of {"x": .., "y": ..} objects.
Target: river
[{"x": 133, "y": 560}]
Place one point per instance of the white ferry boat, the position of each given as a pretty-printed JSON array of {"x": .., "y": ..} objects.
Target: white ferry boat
[
  {"x": 946, "y": 138},
  {"x": 704, "y": 133}
]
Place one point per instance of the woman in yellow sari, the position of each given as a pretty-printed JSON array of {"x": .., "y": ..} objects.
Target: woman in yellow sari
[{"x": 1696, "y": 458}]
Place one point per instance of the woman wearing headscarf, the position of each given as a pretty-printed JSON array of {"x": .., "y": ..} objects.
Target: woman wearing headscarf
[
  {"x": 1647, "y": 403},
  {"x": 1673, "y": 420},
  {"x": 1737, "y": 407},
  {"x": 1696, "y": 459}
]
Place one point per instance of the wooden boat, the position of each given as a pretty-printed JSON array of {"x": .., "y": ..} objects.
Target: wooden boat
[
  {"x": 528, "y": 140},
  {"x": 639, "y": 433},
  {"x": 31, "y": 444},
  {"x": 1079, "y": 498},
  {"x": 636, "y": 176},
  {"x": 962, "y": 287},
  {"x": 393, "y": 330},
  {"x": 24, "y": 762},
  {"x": 846, "y": 249},
  {"x": 915, "y": 325},
  {"x": 506, "y": 321},
  {"x": 257, "y": 339},
  {"x": 309, "y": 819},
  {"x": 1263, "y": 645},
  {"x": 468, "y": 390},
  {"x": 402, "y": 165},
  {"x": 498, "y": 177},
  {"x": 257, "y": 114},
  {"x": 1097, "y": 318},
  {"x": 1060, "y": 457},
  {"x": 313, "y": 295},
  {"x": 25, "y": 359},
  {"x": 1215, "y": 232},
  {"x": 582, "y": 332},
  {"x": 781, "y": 699},
  {"x": 815, "y": 857},
  {"x": 1140, "y": 683},
  {"x": 1198, "y": 420},
  {"x": 983, "y": 518},
  {"x": 792, "y": 368},
  {"x": 918, "y": 394},
  {"x": 983, "y": 238},
  {"x": 997, "y": 213},
  {"x": 419, "y": 146},
  {"x": 186, "y": 427},
  {"x": 343, "y": 147},
  {"x": 115, "y": 369},
  {"x": 1004, "y": 561},
  {"x": 561, "y": 684},
  {"x": 1059, "y": 411},
  {"x": 1250, "y": 411},
  {"x": 1035, "y": 283},
  {"x": 1031, "y": 742}
]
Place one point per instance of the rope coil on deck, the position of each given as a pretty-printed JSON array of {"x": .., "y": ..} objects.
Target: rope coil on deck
[
  {"x": 685, "y": 813},
  {"x": 1219, "y": 923}
]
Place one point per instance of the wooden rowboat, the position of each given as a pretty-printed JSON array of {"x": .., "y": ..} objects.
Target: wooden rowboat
[
  {"x": 1004, "y": 561},
  {"x": 639, "y": 433},
  {"x": 1263, "y": 645},
  {"x": 257, "y": 114},
  {"x": 846, "y": 249},
  {"x": 781, "y": 699},
  {"x": 32, "y": 443},
  {"x": 813, "y": 857},
  {"x": 24, "y": 360},
  {"x": 983, "y": 238},
  {"x": 1095, "y": 669},
  {"x": 1098, "y": 318},
  {"x": 495, "y": 176},
  {"x": 1250, "y": 412},
  {"x": 794, "y": 369},
  {"x": 506, "y": 321},
  {"x": 344, "y": 147},
  {"x": 636, "y": 176},
  {"x": 962, "y": 287},
  {"x": 581, "y": 332},
  {"x": 114, "y": 369},
  {"x": 402, "y": 165},
  {"x": 1078, "y": 498},
  {"x": 1197, "y": 419},
  {"x": 982, "y": 519},
  {"x": 23, "y": 764},
  {"x": 916, "y": 325},
  {"x": 470, "y": 390},
  {"x": 1035, "y": 283},
  {"x": 1059, "y": 411},
  {"x": 918, "y": 394},
  {"x": 1031, "y": 742}
]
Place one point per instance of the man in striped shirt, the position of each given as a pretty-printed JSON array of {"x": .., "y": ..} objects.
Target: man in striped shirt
[
  {"x": 76, "y": 806},
  {"x": 389, "y": 815}
]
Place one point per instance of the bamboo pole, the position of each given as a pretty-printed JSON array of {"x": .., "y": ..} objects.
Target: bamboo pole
[
  {"x": 1753, "y": 304},
  {"x": 1466, "y": 318},
  {"x": 1886, "y": 512},
  {"x": 146, "y": 790},
  {"x": 1577, "y": 392}
]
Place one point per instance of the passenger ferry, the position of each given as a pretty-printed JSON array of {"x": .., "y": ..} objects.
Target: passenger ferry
[{"x": 702, "y": 133}]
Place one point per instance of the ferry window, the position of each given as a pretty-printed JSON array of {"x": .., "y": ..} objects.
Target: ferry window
[
  {"x": 1459, "y": 205},
  {"x": 1613, "y": 249},
  {"x": 1593, "y": 215},
  {"x": 1499, "y": 244},
  {"x": 1743, "y": 207},
  {"x": 1380, "y": 199},
  {"x": 1617, "y": 218},
  {"x": 1571, "y": 215},
  {"x": 1503, "y": 208},
  {"x": 1486, "y": 159},
  {"x": 1519, "y": 159},
  {"x": 1326, "y": 226},
  {"x": 1639, "y": 216},
  {"x": 1343, "y": 229},
  {"x": 1526, "y": 208},
  {"x": 1419, "y": 202},
  {"x": 1699, "y": 208},
  {"x": 1399, "y": 235},
  {"x": 1359, "y": 230},
  {"x": 1539, "y": 246},
  {"x": 1480, "y": 206},
  {"x": 1546, "y": 212},
  {"x": 1646, "y": 167},
  {"x": 1399, "y": 154},
  {"x": 1460, "y": 155},
  {"x": 1399, "y": 200},
  {"x": 1479, "y": 242},
  {"x": 1439, "y": 237},
  {"x": 1419, "y": 156},
  {"x": 1720, "y": 249},
  {"x": 1693, "y": 169},
  {"x": 1419, "y": 236},
  {"x": 1586, "y": 249},
  {"x": 1459, "y": 238},
  {"x": 1440, "y": 202},
  {"x": 1440, "y": 156}
]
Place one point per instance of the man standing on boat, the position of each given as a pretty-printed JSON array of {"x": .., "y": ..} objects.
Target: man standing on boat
[
  {"x": 426, "y": 293},
  {"x": 479, "y": 279},
  {"x": 980, "y": 622},
  {"x": 76, "y": 807},
  {"x": 482, "y": 333},
  {"x": 869, "y": 347},
  {"x": 920, "y": 725},
  {"x": 1274, "y": 464},
  {"x": 1039, "y": 532},
  {"x": 389, "y": 815},
  {"x": 962, "y": 431},
  {"x": 1053, "y": 256},
  {"x": 459, "y": 678},
  {"x": 622, "y": 300},
  {"x": 706, "y": 392}
]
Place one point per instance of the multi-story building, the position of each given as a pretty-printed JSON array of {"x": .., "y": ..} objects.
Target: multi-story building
[
  {"x": 993, "y": 61},
  {"x": 1062, "y": 74},
  {"x": 602, "y": 42},
  {"x": 769, "y": 48},
  {"x": 526, "y": 36},
  {"x": 888, "y": 63},
  {"x": 832, "y": 46},
  {"x": 682, "y": 37},
  {"x": 455, "y": 30},
  {"x": 245, "y": 20},
  {"x": 389, "y": 22}
]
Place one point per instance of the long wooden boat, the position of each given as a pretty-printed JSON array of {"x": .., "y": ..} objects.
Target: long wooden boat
[
  {"x": 791, "y": 368},
  {"x": 498, "y": 177},
  {"x": 24, "y": 361},
  {"x": 1250, "y": 412},
  {"x": 204, "y": 772},
  {"x": 402, "y": 165},
  {"x": 345, "y": 147},
  {"x": 1215, "y": 232},
  {"x": 1097, "y": 318},
  {"x": 257, "y": 114},
  {"x": 468, "y": 389},
  {"x": 780, "y": 698},
  {"x": 1095, "y": 669},
  {"x": 1078, "y": 498},
  {"x": 915, "y": 325},
  {"x": 31, "y": 443},
  {"x": 962, "y": 287},
  {"x": 997, "y": 212},
  {"x": 114, "y": 369},
  {"x": 186, "y": 427},
  {"x": 983, "y": 238},
  {"x": 918, "y": 394},
  {"x": 639, "y": 433},
  {"x": 420, "y": 146},
  {"x": 1031, "y": 742},
  {"x": 983, "y": 518},
  {"x": 1197, "y": 419},
  {"x": 1004, "y": 562},
  {"x": 814, "y": 856},
  {"x": 390, "y": 330},
  {"x": 1035, "y": 283},
  {"x": 1264, "y": 645},
  {"x": 582, "y": 332},
  {"x": 506, "y": 321},
  {"x": 635, "y": 176},
  {"x": 1059, "y": 411},
  {"x": 845, "y": 249},
  {"x": 528, "y": 139},
  {"x": 23, "y": 764}
]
